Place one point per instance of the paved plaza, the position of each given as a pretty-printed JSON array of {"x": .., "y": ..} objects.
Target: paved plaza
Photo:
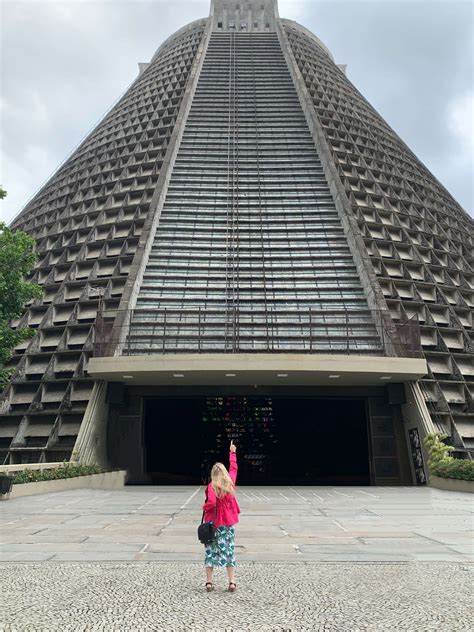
[
  {"x": 278, "y": 524},
  {"x": 309, "y": 558}
]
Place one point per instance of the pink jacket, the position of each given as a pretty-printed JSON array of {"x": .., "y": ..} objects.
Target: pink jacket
[{"x": 227, "y": 507}]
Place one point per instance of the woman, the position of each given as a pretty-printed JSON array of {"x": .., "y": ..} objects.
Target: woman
[{"x": 221, "y": 508}]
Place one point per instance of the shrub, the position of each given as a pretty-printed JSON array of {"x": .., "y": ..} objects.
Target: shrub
[
  {"x": 456, "y": 468},
  {"x": 441, "y": 463},
  {"x": 67, "y": 470}
]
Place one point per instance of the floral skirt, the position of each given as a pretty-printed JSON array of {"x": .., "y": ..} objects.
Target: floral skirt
[{"x": 221, "y": 551}]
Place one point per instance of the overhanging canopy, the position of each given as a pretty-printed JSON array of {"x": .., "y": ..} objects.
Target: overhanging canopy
[{"x": 260, "y": 369}]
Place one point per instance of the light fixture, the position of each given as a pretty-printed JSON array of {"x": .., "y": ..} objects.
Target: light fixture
[
  {"x": 231, "y": 374},
  {"x": 334, "y": 377},
  {"x": 282, "y": 375},
  {"x": 127, "y": 377},
  {"x": 178, "y": 375},
  {"x": 386, "y": 377}
]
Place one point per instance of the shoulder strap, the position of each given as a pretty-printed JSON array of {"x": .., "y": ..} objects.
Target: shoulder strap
[{"x": 204, "y": 511}]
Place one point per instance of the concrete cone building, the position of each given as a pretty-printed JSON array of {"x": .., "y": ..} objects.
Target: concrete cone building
[{"x": 244, "y": 248}]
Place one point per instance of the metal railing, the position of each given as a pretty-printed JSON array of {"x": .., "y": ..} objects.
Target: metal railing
[{"x": 342, "y": 331}]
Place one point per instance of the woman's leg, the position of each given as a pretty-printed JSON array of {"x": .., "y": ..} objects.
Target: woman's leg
[
  {"x": 207, "y": 563},
  {"x": 231, "y": 554},
  {"x": 231, "y": 574}
]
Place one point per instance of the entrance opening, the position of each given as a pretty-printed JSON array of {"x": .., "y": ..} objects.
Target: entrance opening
[{"x": 280, "y": 440}]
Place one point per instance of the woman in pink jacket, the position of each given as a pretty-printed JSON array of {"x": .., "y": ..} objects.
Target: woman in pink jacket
[{"x": 221, "y": 508}]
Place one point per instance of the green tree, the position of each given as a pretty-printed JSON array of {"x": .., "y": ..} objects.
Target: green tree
[
  {"x": 17, "y": 258},
  {"x": 438, "y": 451},
  {"x": 441, "y": 463}
]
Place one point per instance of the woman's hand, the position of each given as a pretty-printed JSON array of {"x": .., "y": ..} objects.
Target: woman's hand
[{"x": 232, "y": 447}]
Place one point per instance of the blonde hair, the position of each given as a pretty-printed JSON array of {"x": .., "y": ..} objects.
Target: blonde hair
[{"x": 221, "y": 480}]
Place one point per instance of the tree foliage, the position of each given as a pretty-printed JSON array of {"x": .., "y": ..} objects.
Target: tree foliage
[{"x": 17, "y": 258}]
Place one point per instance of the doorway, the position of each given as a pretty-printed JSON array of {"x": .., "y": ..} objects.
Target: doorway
[{"x": 280, "y": 440}]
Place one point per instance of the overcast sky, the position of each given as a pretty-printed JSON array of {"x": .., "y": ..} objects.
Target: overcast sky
[{"x": 64, "y": 63}]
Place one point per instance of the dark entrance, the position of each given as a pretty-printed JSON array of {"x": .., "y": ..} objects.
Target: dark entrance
[{"x": 280, "y": 440}]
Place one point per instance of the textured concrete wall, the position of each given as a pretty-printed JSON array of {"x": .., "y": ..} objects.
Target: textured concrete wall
[
  {"x": 140, "y": 260},
  {"x": 372, "y": 289},
  {"x": 90, "y": 447},
  {"x": 257, "y": 16},
  {"x": 452, "y": 484},
  {"x": 408, "y": 229}
]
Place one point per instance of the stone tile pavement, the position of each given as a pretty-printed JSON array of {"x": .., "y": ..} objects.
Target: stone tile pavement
[
  {"x": 278, "y": 524},
  {"x": 136, "y": 596}
]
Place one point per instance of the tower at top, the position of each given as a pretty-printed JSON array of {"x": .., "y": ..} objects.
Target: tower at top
[{"x": 244, "y": 15}]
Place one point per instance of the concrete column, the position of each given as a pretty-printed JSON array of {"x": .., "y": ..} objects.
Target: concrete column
[
  {"x": 417, "y": 418},
  {"x": 90, "y": 446}
]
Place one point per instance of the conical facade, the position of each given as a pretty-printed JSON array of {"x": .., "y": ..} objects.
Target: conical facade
[
  {"x": 87, "y": 222},
  {"x": 244, "y": 214}
]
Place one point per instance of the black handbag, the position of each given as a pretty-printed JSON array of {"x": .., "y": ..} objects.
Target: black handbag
[{"x": 206, "y": 531}]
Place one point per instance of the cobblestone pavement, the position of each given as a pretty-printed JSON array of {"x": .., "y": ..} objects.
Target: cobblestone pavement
[
  {"x": 149, "y": 596},
  {"x": 278, "y": 524}
]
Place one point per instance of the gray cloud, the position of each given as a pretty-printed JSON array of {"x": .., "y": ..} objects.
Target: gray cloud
[{"x": 63, "y": 64}]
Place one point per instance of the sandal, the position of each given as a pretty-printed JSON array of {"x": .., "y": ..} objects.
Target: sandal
[
  {"x": 209, "y": 587},
  {"x": 232, "y": 587}
]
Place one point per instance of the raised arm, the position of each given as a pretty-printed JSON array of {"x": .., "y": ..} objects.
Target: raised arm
[{"x": 233, "y": 468}]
